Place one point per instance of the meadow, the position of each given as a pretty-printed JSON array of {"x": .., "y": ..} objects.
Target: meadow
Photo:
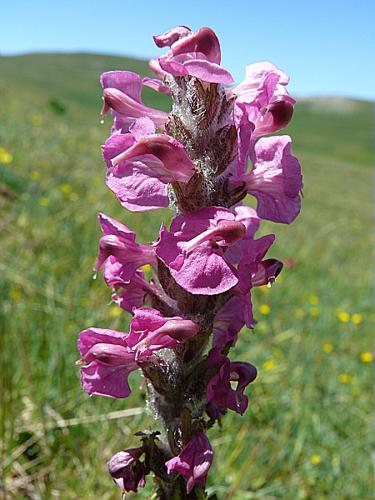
[{"x": 308, "y": 433}]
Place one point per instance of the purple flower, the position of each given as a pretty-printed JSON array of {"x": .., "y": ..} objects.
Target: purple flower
[
  {"x": 275, "y": 180},
  {"x": 219, "y": 388},
  {"x": 268, "y": 105},
  {"x": 109, "y": 361},
  {"x": 150, "y": 331},
  {"x": 245, "y": 129},
  {"x": 249, "y": 265},
  {"x": 228, "y": 322},
  {"x": 134, "y": 183},
  {"x": 249, "y": 218},
  {"x": 119, "y": 241},
  {"x": 195, "y": 54},
  {"x": 170, "y": 37},
  {"x": 252, "y": 271},
  {"x": 174, "y": 165},
  {"x": 110, "y": 356},
  {"x": 127, "y": 471},
  {"x": 194, "y": 250},
  {"x": 129, "y": 293},
  {"x": 193, "y": 462},
  {"x": 122, "y": 94},
  {"x": 139, "y": 170},
  {"x": 267, "y": 272}
]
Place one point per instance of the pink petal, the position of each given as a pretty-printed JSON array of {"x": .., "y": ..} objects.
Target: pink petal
[
  {"x": 126, "y": 81},
  {"x": 170, "y": 37},
  {"x": 136, "y": 186},
  {"x": 275, "y": 180},
  {"x": 206, "y": 273}
]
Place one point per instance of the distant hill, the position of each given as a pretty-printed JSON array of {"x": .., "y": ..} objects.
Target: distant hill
[
  {"x": 72, "y": 79},
  {"x": 71, "y": 82}
]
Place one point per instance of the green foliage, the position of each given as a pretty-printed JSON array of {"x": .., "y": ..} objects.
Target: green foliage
[{"x": 307, "y": 433}]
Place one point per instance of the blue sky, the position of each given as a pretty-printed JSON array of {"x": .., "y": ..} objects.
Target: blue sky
[{"x": 327, "y": 47}]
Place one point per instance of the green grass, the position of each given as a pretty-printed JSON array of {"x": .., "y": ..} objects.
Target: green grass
[{"x": 306, "y": 406}]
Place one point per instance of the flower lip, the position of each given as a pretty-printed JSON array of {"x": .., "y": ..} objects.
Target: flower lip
[
  {"x": 226, "y": 233},
  {"x": 110, "y": 244},
  {"x": 282, "y": 112},
  {"x": 172, "y": 331},
  {"x": 267, "y": 272},
  {"x": 164, "y": 148},
  {"x": 193, "y": 462},
  {"x": 111, "y": 354},
  {"x": 204, "y": 42},
  {"x": 178, "y": 329},
  {"x": 127, "y": 470},
  {"x": 158, "y": 145},
  {"x": 126, "y": 105},
  {"x": 170, "y": 37}
]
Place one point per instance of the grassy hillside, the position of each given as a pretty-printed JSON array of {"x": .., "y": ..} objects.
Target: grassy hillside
[{"x": 307, "y": 433}]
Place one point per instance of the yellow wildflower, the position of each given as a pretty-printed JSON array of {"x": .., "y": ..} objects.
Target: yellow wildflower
[
  {"x": 345, "y": 378},
  {"x": 34, "y": 175},
  {"x": 327, "y": 347},
  {"x": 343, "y": 316},
  {"x": 43, "y": 201},
  {"x": 314, "y": 312},
  {"x": 269, "y": 364},
  {"x": 5, "y": 156},
  {"x": 356, "y": 319},
  {"x": 314, "y": 300},
  {"x": 15, "y": 294},
  {"x": 36, "y": 120},
  {"x": 264, "y": 309},
  {"x": 66, "y": 188},
  {"x": 315, "y": 459},
  {"x": 115, "y": 311},
  {"x": 367, "y": 357}
]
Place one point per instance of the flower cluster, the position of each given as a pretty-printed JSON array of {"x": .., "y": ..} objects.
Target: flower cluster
[{"x": 188, "y": 315}]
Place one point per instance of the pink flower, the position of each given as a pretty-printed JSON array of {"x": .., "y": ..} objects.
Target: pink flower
[
  {"x": 150, "y": 331},
  {"x": 119, "y": 241},
  {"x": 109, "y": 361},
  {"x": 245, "y": 129},
  {"x": 140, "y": 170},
  {"x": 219, "y": 388},
  {"x": 122, "y": 94},
  {"x": 268, "y": 105},
  {"x": 249, "y": 218},
  {"x": 252, "y": 271},
  {"x": 172, "y": 36},
  {"x": 134, "y": 183},
  {"x": 194, "y": 250},
  {"x": 248, "y": 269},
  {"x": 228, "y": 322},
  {"x": 110, "y": 356},
  {"x": 275, "y": 180},
  {"x": 175, "y": 164},
  {"x": 195, "y": 54},
  {"x": 193, "y": 462},
  {"x": 132, "y": 292},
  {"x": 126, "y": 469},
  {"x": 129, "y": 292},
  {"x": 267, "y": 272}
]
